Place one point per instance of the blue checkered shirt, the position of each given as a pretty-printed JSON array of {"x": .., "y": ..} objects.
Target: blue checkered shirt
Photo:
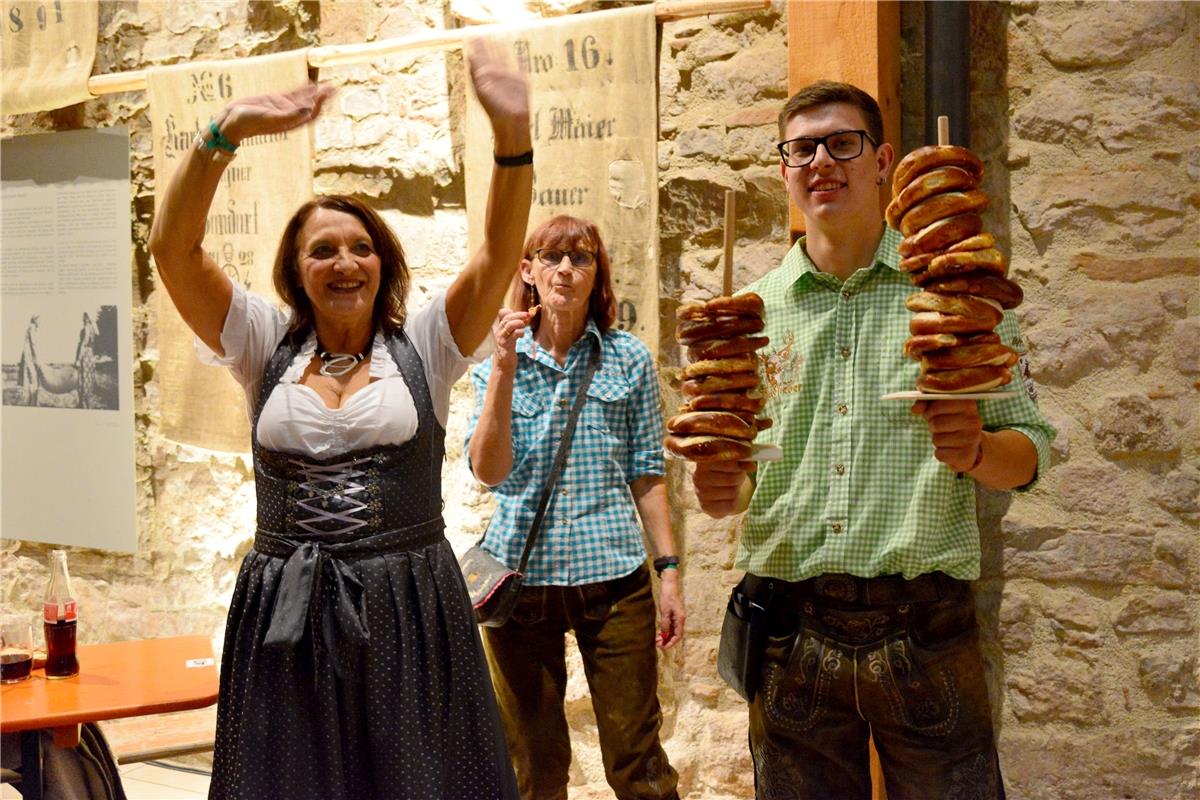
[{"x": 591, "y": 531}]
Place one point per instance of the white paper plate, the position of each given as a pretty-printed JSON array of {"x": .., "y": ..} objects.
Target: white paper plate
[
  {"x": 758, "y": 452},
  {"x": 766, "y": 452},
  {"x": 915, "y": 395}
]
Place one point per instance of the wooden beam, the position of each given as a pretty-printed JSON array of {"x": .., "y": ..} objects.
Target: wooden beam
[
  {"x": 855, "y": 41},
  {"x": 339, "y": 54}
]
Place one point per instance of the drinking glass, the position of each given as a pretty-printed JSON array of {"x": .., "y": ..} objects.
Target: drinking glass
[{"x": 16, "y": 648}]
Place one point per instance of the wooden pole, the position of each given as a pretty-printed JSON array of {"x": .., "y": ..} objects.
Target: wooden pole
[
  {"x": 730, "y": 236},
  {"x": 667, "y": 10},
  {"x": 340, "y": 54},
  {"x": 336, "y": 55},
  {"x": 943, "y": 131},
  {"x": 878, "y": 788},
  {"x": 856, "y": 41}
]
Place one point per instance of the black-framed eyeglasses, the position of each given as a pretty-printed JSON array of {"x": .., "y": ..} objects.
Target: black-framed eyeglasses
[
  {"x": 552, "y": 257},
  {"x": 841, "y": 146}
]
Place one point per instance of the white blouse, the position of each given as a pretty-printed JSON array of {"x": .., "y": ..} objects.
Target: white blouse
[{"x": 296, "y": 420}]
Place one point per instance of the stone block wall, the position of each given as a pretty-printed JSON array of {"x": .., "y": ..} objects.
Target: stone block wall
[
  {"x": 1096, "y": 572},
  {"x": 1086, "y": 115}
]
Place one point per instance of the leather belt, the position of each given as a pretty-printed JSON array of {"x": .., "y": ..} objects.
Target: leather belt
[{"x": 882, "y": 590}]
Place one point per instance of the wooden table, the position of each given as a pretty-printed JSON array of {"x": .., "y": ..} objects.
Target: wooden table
[{"x": 121, "y": 679}]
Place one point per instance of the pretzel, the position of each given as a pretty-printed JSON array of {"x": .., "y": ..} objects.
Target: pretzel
[
  {"x": 916, "y": 346},
  {"x": 713, "y": 423},
  {"x": 748, "y": 304},
  {"x": 946, "y": 264},
  {"x": 981, "y": 241},
  {"x": 726, "y": 348},
  {"x": 971, "y": 379},
  {"x": 940, "y": 206},
  {"x": 941, "y": 234},
  {"x": 915, "y": 265},
  {"x": 962, "y": 304},
  {"x": 925, "y": 159},
  {"x": 690, "y": 331},
  {"x": 971, "y": 355},
  {"x": 708, "y": 448},
  {"x": 745, "y": 416},
  {"x": 741, "y": 305},
  {"x": 927, "y": 184},
  {"x": 980, "y": 284},
  {"x": 721, "y": 366},
  {"x": 936, "y": 322},
  {"x": 725, "y": 401},
  {"x": 710, "y": 384}
]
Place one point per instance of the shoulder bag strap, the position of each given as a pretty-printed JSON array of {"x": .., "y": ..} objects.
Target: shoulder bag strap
[{"x": 560, "y": 458}]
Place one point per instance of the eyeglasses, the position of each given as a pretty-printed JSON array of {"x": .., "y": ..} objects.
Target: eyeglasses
[
  {"x": 580, "y": 259},
  {"x": 841, "y": 146}
]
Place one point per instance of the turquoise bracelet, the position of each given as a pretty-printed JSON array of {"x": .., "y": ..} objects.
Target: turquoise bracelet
[
  {"x": 665, "y": 562},
  {"x": 216, "y": 140}
]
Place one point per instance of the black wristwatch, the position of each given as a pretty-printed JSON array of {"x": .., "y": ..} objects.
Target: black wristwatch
[{"x": 665, "y": 562}]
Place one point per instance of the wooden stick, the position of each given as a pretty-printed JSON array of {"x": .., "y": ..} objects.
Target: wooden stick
[
  {"x": 336, "y": 55},
  {"x": 943, "y": 131},
  {"x": 667, "y": 10},
  {"x": 730, "y": 235},
  {"x": 341, "y": 54}
]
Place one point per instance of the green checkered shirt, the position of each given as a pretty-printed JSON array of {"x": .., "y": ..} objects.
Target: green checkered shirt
[{"x": 858, "y": 489}]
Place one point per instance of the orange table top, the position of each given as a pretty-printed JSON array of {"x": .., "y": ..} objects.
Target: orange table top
[{"x": 120, "y": 679}]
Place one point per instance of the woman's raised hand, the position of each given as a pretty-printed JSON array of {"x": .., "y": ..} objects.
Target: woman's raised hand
[
  {"x": 503, "y": 92},
  {"x": 273, "y": 113}
]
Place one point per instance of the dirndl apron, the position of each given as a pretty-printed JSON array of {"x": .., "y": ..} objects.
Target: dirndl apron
[{"x": 352, "y": 667}]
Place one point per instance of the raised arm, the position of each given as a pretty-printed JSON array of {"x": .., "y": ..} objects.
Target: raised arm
[
  {"x": 490, "y": 447},
  {"x": 196, "y": 285},
  {"x": 476, "y": 294}
]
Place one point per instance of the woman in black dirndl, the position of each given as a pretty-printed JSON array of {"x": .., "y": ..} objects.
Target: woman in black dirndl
[{"x": 352, "y": 667}]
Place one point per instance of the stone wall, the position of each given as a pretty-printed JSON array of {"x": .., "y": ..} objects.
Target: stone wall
[
  {"x": 1086, "y": 115},
  {"x": 1097, "y": 570}
]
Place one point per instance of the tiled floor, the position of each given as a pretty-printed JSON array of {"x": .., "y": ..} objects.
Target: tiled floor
[
  {"x": 152, "y": 782},
  {"x": 148, "y": 782}
]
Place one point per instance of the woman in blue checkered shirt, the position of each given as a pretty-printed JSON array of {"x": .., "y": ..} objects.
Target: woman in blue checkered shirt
[{"x": 587, "y": 572}]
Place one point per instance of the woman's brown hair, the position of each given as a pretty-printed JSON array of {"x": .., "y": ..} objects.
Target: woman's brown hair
[
  {"x": 569, "y": 233},
  {"x": 390, "y": 302}
]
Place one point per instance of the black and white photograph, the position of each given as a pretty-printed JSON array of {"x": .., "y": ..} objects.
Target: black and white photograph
[{"x": 64, "y": 356}]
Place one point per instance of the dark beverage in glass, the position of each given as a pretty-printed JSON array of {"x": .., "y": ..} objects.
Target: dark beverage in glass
[
  {"x": 16, "y": 647},
  {"x": 60, "y": 649},
  {"x": 15, "y": 667},
  {"x": 59, "y": 619}
]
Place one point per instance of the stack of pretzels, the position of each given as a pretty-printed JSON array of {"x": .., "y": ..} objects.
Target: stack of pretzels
[
  {"x": 963, "y": 277},
  {"x": 718, "y": 421}
]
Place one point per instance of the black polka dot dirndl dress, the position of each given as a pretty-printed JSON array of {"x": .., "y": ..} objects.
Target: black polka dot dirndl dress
[{"x": 352, "y": 667}]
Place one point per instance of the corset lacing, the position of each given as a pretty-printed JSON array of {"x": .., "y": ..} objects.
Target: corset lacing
[{"x": 323, "y": 483}]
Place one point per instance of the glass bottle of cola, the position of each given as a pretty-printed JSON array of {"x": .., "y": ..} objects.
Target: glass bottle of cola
[{"x": 59, "y": 620}]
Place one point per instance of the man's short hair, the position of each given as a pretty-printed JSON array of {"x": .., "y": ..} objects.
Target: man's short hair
[{"x": 825, "y": 92}]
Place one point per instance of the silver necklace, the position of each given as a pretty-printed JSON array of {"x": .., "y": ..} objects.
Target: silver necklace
[{"x": 335, "y": 365}]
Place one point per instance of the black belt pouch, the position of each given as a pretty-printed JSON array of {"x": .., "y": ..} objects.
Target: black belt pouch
[{"x": 743, "y": 635}]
